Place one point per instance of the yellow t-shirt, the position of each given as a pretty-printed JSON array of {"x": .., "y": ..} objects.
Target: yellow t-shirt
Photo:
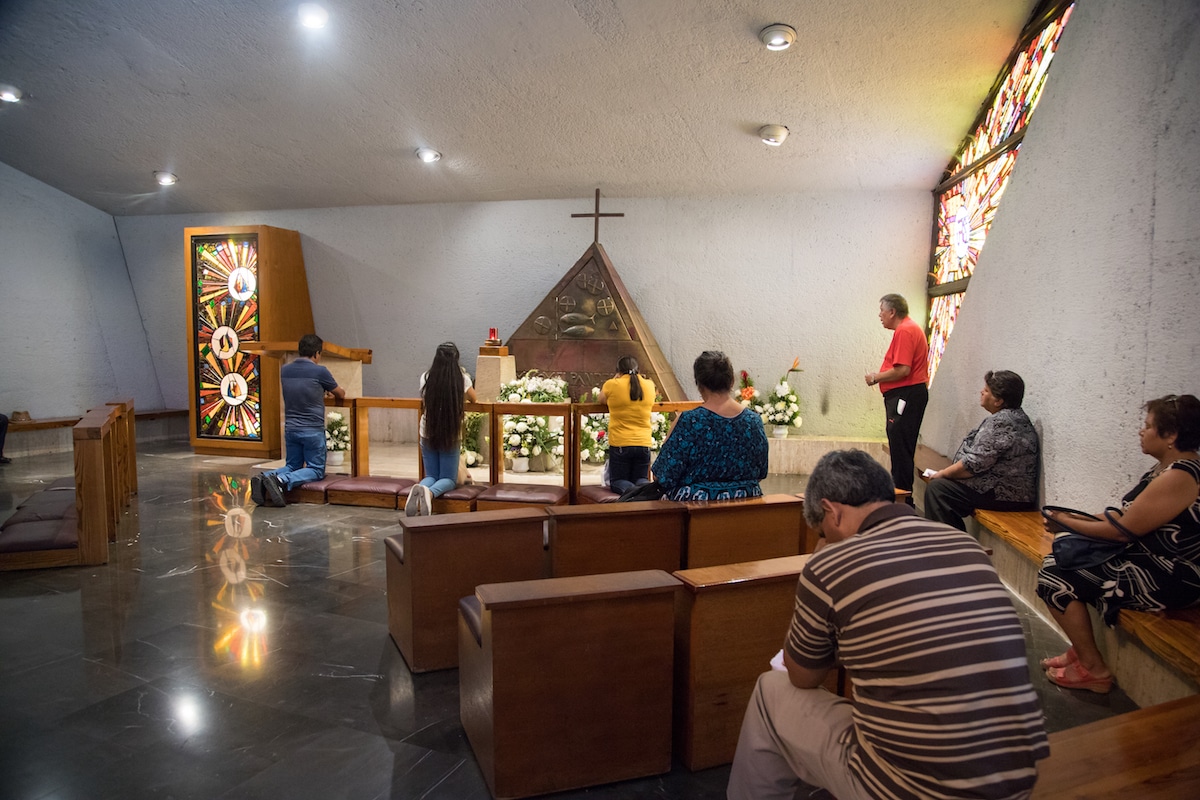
[{"x": 628, "y": 422}]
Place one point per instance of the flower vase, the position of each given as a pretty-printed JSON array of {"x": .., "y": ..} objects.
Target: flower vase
[
  {"x": 520, "y": 464},
  {"x": 779, "y": 431},
  {"x": 335, "y": 458}
]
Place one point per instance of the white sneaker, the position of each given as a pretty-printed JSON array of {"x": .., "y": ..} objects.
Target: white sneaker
[
  {"x": 412, "y": 507},
  {"x": 426, "y": 502}
]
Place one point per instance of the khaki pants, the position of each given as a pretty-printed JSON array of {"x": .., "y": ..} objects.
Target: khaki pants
[{"x": 791, "y": 735}]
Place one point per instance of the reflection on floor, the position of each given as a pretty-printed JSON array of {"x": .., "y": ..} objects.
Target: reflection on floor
[{"x": 234, "y": 651}]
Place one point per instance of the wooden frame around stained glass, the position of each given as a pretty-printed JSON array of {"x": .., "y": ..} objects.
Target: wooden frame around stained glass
[{"x": 246, "y": 286}]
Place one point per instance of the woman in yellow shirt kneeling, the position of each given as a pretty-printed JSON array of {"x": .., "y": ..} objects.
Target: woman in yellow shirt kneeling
[{"x": 629, "y": 397}]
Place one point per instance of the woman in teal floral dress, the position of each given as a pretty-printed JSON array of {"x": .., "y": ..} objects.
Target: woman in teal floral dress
[{"x": 717, "y": 451}]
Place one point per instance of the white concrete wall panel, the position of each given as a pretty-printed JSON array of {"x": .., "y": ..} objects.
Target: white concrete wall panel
[
  {"x": 1088, "y": 283},
  {"x": 72, "y": 334},
  {"x": 764, "y": 278}
]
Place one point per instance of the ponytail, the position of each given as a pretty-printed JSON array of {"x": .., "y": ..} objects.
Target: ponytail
[{"x": 629, "y": 365}]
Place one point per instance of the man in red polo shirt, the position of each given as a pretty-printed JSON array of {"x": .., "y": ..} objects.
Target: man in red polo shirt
[{"x": 902, "y": 378}]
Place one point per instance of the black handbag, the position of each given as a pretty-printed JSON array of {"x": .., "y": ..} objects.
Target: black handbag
[
  {"x": 646, "y": 491},
  {"x": 1075, "y": 550}
]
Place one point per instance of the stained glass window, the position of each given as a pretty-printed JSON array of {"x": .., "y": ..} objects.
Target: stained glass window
[
  {"x": 228, "y": 382},
  {"x": 978, "y": 175},
  {"x": 965, "y": 213}
]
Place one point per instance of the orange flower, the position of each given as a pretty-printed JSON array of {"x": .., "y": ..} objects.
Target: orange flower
[
  {"x": 795, "y": 365},
  {"x": 748, "y": 393}
]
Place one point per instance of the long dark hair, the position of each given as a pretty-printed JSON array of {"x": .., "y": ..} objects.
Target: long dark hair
[
  {"x": 443, "y": 398},
  {"x": 629, "y": 366}
]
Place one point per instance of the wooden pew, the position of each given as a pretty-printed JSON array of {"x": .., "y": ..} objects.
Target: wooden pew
[
  {"x": 103, "y": 488},
  {"x": 1149, "y": 754},
  {"x": 730, "y": 621},
  {"x": 566, "y": 682},
  {"x": 435, "y": 561},
  {"x": 616, "y": 537},
  {"x": 733, "y": 531}
]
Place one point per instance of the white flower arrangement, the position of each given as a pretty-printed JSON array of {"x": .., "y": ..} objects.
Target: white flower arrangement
[
  {"x": 782, "y": 406},
  {"x": 534, "y": 388},
  {"x": 337, "y": 432},
  {"x": 527, "y": 435}
]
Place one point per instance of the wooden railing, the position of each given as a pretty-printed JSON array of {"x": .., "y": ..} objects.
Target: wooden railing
[{"x": 570, "y": 413}]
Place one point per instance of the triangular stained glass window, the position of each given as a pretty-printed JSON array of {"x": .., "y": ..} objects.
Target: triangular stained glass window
[{"x": 967, "y": 198}]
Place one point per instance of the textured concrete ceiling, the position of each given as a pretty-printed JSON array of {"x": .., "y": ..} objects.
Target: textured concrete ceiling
[{"x": 526, "y": 99}]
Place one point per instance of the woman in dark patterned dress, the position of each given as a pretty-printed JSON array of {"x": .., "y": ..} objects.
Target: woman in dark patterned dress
[
  {"x": 996, "y": 466},
  {"x": 717, "y": 451},
  {"x": 1160, "y": 570}
]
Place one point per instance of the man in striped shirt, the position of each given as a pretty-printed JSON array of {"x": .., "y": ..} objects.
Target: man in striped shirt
[{"x": 914, "y": 611}]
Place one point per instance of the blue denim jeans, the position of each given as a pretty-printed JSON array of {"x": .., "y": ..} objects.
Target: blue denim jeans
[
  {"x": 305, "y": 458},
  {"x": 628, "y": 467},
  {"x": 441, "y": 468}
]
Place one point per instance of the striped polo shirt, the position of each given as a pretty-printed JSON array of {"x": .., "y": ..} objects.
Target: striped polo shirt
[{"x": 943, "y": 706}]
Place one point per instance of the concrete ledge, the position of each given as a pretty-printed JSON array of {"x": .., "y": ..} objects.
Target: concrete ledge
[{"x": 797, "y": 455}]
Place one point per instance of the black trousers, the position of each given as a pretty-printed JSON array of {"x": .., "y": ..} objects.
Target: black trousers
[
  {"x": 903, "y": 427},
  {"x": 949, "y": 501},
  {"x": 628, "y": 467}
]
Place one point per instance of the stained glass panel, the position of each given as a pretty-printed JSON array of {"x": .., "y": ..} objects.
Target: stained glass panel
[
  {"x": 967, "y": 207},
  {"x": 225, "y": 273},
  {"x": 1018, "y": 96},
  {"x": 965, "y": 214},
  {"x": 943, "y": 311}
]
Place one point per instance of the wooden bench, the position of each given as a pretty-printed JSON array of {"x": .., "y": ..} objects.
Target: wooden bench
[
  {"x": 436, "y": 561},
  {"x": 1149, "y": 754},
  {"x": 43, "y": 424},
  {"x": 616, "y": 537},
  {"x": 567, "y": 682},
  {"x": 1021, "y": 542},
  {"x": 729, "y": 622},
  {"x": 730, "y": 532}
]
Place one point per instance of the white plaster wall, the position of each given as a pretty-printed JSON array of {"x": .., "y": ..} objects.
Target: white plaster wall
[
  {"x": 764, "y": 278},
  {"x": 1088, "y": 283},
  {"x": 72, "y": 335}
]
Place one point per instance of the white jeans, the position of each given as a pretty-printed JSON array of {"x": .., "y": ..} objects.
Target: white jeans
[{"x": 791, "y": 735}]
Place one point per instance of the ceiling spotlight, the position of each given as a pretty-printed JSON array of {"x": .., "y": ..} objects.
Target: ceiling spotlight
[
  {"x": 777, "y": 36},
  {"x": 313, "y": 15},
  {"x": 9, "y": 94},
  {"x": 428, "y": 154},
  {"x": 165, "y": 178},
  {"x": 773, "y": 134}
]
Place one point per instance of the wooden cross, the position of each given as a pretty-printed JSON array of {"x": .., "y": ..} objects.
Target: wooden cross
[{"x": 597, "y": 215}]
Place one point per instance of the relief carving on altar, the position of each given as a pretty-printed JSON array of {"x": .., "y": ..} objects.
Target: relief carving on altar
[{"x": 585, "y": 324}]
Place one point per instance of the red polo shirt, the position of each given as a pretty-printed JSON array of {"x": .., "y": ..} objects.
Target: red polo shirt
[{"x": 910, "y": 348}]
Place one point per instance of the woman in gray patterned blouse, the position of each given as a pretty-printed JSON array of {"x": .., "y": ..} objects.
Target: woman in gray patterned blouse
[{"x": 996, "y": 466}]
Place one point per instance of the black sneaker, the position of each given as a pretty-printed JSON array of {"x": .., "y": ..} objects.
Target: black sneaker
[
  {"x": 273, "y": 490},
  {"x": 256, "y": 490},
  {"x": 4, "y": 460}
]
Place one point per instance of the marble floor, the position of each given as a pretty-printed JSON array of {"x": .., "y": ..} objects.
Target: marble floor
[{"x": 229, "y": 651}]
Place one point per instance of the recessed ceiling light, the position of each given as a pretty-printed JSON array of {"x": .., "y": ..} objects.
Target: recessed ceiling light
[
  {"x": 777, "y": 36},
  {"x": 9, "y": 94},
  {"x": 313, "y": 15},
  {"x": 165, "y": 178},
  {"x": 773, "y": 134},
  {"x": 428, "y": 154}
]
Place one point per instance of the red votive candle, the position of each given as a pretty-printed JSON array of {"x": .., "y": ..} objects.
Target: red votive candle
[{"x": 492, "y": 334}]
